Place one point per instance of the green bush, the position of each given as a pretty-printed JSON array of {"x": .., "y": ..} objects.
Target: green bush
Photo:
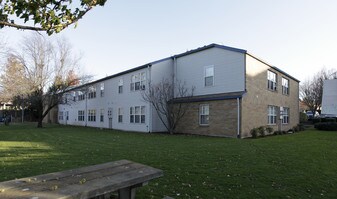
[
  {"x": 300, "y": 127},
  {"x": 303, "y": 117},
  {"x": 316, "y": 120},
  {"x": 326, "y": 126},
  {"x": 280, "y": 132},
  {"x": 269, "y": 129},
  {"x": 329, "y": 119},
  {"x": 254, "y": 132},
  {"x": 261, "y": 131}
]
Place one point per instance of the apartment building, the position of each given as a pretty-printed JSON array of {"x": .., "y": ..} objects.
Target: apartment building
[{"x": 234, "y": 92}]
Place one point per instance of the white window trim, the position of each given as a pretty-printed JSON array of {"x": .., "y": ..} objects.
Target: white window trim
[
  {"x": 200, "y": 110},
  {"x": 288, "y": 90},
  {"x": 273, "y": 115},
  {"x": 285, "y": 108},
  {"x": 205, "y": 68},
  {"x": 275, "y": 82}
]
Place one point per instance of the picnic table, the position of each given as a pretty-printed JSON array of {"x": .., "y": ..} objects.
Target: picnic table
[{"x": 95, "y": 181}]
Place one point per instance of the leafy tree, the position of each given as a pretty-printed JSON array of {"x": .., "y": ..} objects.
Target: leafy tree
[
  {"x": 40, "y": 73},
  {"x": 49, "y": 15},
  {"x": 166, "y": 97},
  {"x": 311, "y": 90}
]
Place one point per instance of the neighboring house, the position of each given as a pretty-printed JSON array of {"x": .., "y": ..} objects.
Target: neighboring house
[
  {"x": 234, "y": 92},
  {"x": 329, "y": 99}
]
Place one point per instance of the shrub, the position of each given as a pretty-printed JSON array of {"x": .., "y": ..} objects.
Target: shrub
[
  {"x": 254, "y": 132},
  {"x": 300, "y": 127},
  {"x": 326, "y": 126},
  {"x": 269, "y": 129},
  {"x": 303, "y": 117},
  {"x": 279, "y": 132},
  {"x": 328, "y": 119},
  {"x": 296, "y": 129},
  {"x": 261, "y": 131},
  {"x": 316, "y": 120}
]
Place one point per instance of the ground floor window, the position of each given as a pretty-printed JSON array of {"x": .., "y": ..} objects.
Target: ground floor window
[
  {"x": 204, "y": 114},
  {"x": 92, "y": 115},
  {"x": 137, "y": 114},
  {"x": 60, "y": 115},
  {"x": 120, "y": 115},
  {"x": 272, "y": 114},
  {"x": 81, "y": 115},
  {"x": 285, "y": 114},
  {"x": 102, "y": 115}
]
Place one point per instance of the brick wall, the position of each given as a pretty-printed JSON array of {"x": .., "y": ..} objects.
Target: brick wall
[
  {"x": 255, "y": 102},
  {"x": 222, "y": 119}
]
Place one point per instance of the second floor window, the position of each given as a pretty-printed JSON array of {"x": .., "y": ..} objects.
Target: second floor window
[
  {"x": 102, "y": 89},
  {"x": 80, "y": 95},
  {"x": 138, "y": 82},
  {"x": 285, "y": 86},
  {"x": 272, "y": 81},
  {"x": 92, "y": 92},
  {"x": 209, "y": 76},
  {"x": 120, "y": 86}
]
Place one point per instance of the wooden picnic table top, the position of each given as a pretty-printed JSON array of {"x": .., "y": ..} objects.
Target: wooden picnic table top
[{"x": 86, "y": 182}]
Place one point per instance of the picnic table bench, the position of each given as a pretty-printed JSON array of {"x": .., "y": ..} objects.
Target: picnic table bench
[{"x": 88, "y": 182}]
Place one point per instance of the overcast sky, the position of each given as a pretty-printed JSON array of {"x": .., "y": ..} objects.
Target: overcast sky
[{"x": 297, "y": 36}]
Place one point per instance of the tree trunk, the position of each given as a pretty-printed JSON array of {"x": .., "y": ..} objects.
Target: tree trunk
[{"x": 39, "y": 123}]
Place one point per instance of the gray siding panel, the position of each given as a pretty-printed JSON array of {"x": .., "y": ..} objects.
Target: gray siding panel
[{"x": 229, "y": 71}]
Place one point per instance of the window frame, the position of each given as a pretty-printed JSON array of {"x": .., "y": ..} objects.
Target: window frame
[
  {"x": 101, "y": 118},
  {"x": 285, "y": 87},
  {"x": 203, "y": 113},
  {"x": 60, "y": 115},
  {"x": 92, "y": 115},
  {"x": 285, "y": 117},
  {"x": 92, "y": 92},
  {"x": 120, "y": 115},
  {"x": 138, "y": 81},
  {"x": 137, "y": 115},
  {"x": 120, "y": 86},
  {"x": 207, "y": 76},
  {"x": 80, "y": 115},
  {"x": 102, "y": 89},
  {"x": 271, "y": 83},
  {"x": 272, "y": 115}
]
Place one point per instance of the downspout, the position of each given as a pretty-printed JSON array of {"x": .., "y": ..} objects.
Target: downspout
[
  {"x": 238, "y": 123},
  {"x": 86, "y": 108},
  {"x": 150, "y": 105}
]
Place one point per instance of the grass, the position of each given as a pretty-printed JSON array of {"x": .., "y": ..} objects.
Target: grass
[{"x": 302, "y": 165}]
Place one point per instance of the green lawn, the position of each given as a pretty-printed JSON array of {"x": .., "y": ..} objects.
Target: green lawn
[{"x": 301, "y": 165}]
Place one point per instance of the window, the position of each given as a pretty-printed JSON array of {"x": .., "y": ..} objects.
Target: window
[
  {"x": 137, "y": 114},
  {"x": 204, "y": 114},
  {"x": 92, "y": 92},
  {"x": 272, "y": 114},
  {"x": 138, "y": 82},
  {"x": 272, "y": 79},
  {"x": 209, "y": 76},
  {"x": 92, "y": 115},
  {"x": 285, "y": 86},
  {"x": 74, "y": 96},
  {"x": 285, "y": 115},
  {"x": 120, "y": 86},
  {"x": 120, "y": 115},
  {"x": 102, "y": 89},
  {"x": 81, "y": 115},
  {"x": 60, "y": 115},
  {"x": 102, "y": 115},
  {"x": 81, "y": 96}
]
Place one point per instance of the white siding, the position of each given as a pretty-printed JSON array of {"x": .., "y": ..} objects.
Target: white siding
[
  {"x": 229, "y": 71},
  {"x": 112, "y": 99},
  {"x": 329, "y": 101},
  {"x": 160, "y": 71}
]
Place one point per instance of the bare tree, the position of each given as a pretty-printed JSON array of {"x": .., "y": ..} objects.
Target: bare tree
[
  {"x": 47, "y": 70},
  {"x": 312, "y": 89},
  {"x": 162, "y": 97}
]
